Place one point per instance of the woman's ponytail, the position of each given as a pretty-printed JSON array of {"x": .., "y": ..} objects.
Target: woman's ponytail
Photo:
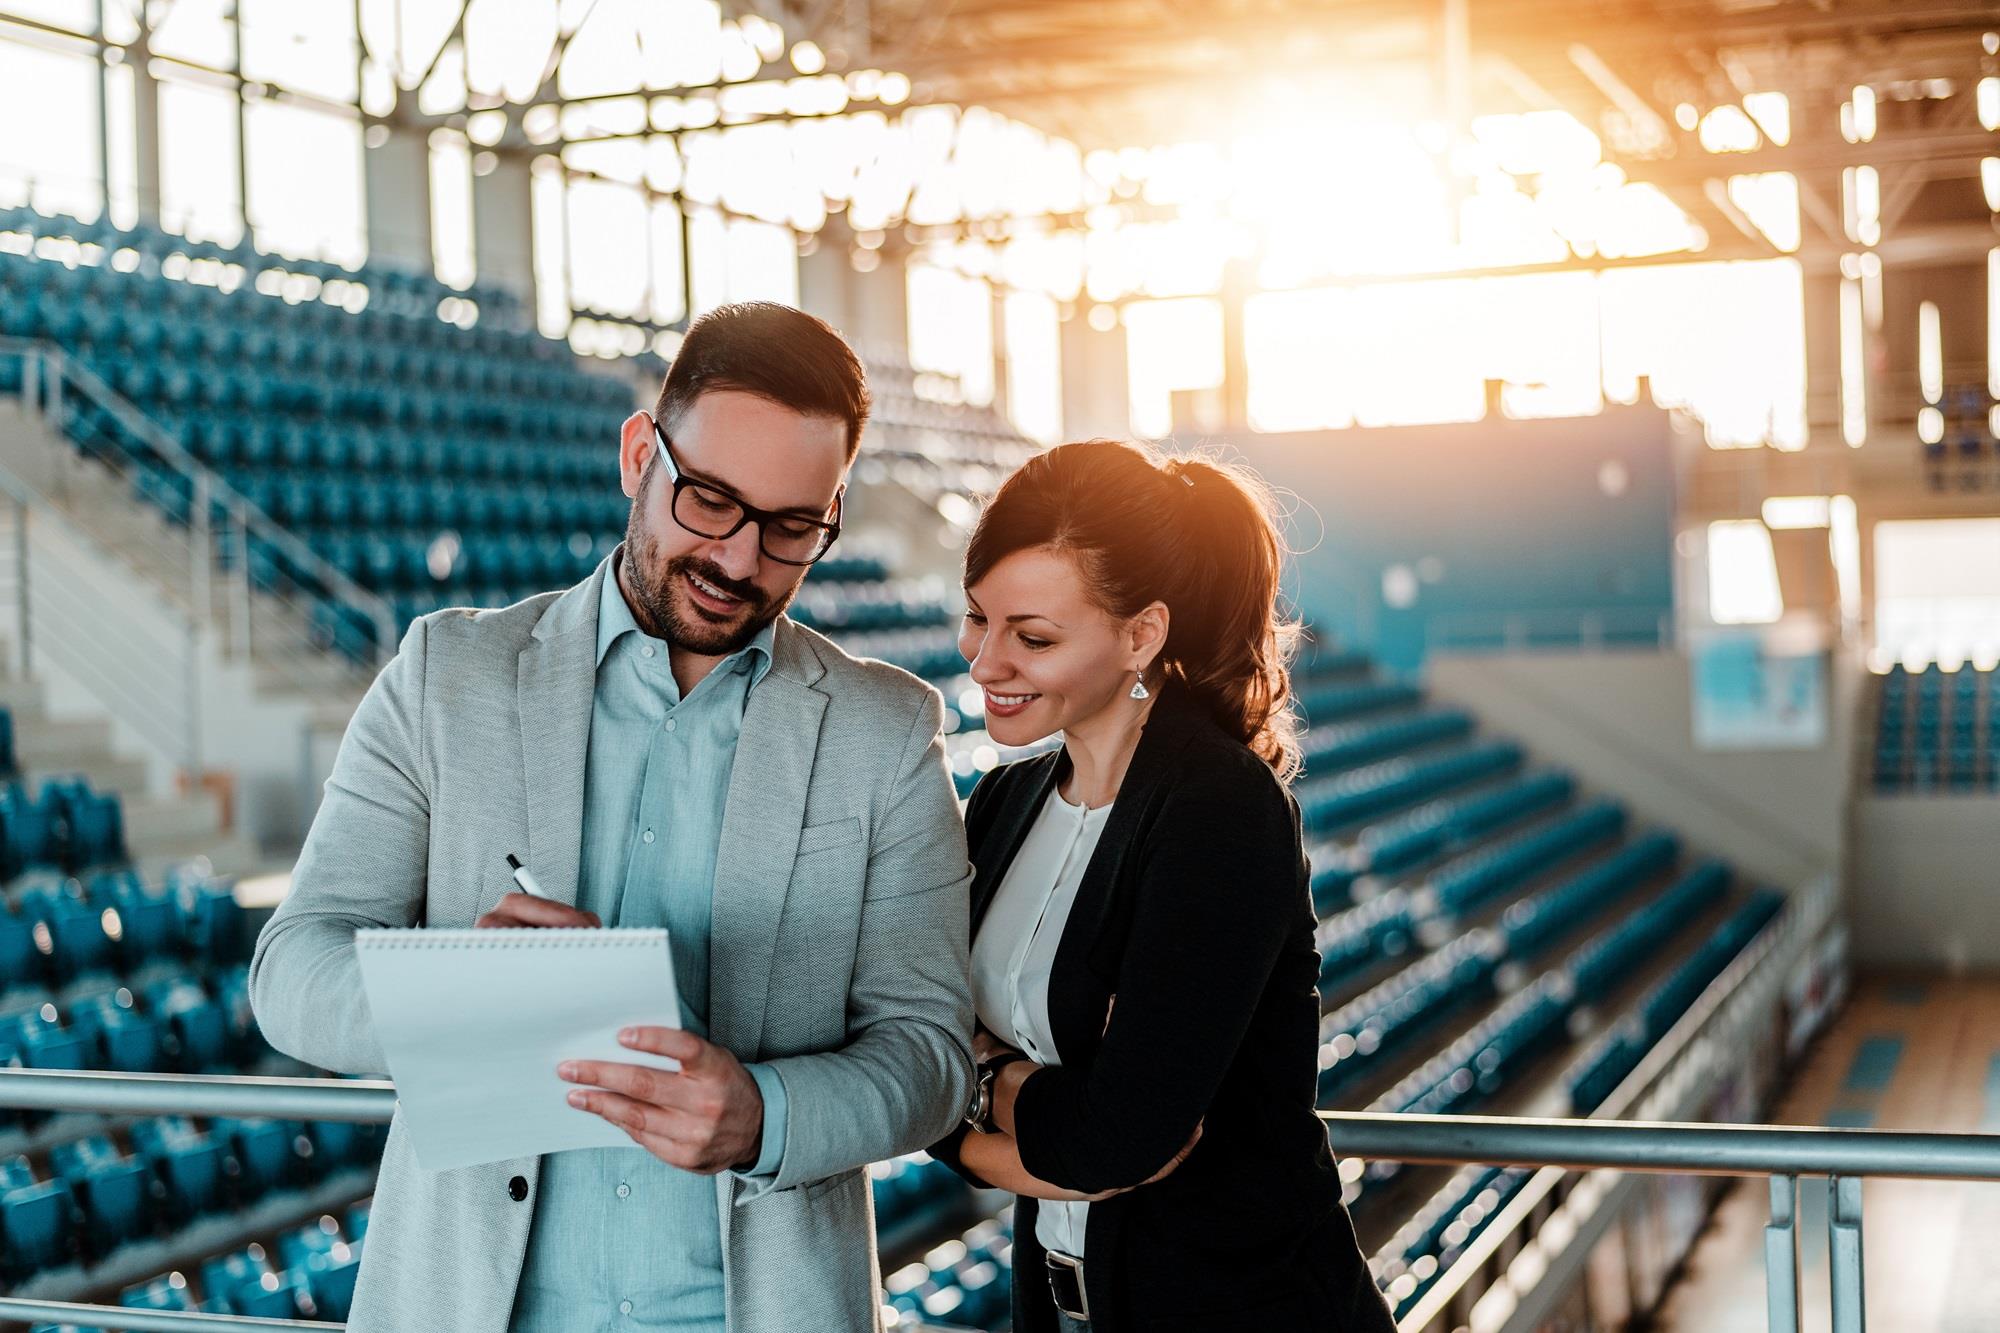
[{"x": 1230, "y": 644}]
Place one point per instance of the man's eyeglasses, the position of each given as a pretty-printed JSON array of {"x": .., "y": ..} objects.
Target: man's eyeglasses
[{"x": 708, "y": 511}]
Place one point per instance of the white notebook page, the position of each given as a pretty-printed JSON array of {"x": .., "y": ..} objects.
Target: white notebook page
[{"x": 474, "y": 1022}]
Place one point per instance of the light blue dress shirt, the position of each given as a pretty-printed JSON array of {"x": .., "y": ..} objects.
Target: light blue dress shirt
[{"x": 621, "y": 1241}]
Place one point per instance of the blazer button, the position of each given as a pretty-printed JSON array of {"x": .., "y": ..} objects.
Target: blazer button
[{"x": 517, "y": 1188}]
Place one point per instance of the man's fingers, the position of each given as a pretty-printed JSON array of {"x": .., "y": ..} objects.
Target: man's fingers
[
  {"x": 674, "y": 1043},
  {"x": 525, "y": 911},
  {"x": 663, "y": 1132},
  {"x": 659, "y": 1087}
]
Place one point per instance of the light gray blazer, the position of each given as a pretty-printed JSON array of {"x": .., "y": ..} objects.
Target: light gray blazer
[{"x": 838, "y": 953}]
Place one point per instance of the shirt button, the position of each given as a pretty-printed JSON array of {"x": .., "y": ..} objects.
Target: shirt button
[
  {"x": 647, "y": 836},
  {"x": 624, "y": 1307},
  {"x": 670, "y": 724},
  {"x": 647, "y": 651},
  {"x": 624, "y": 1190}
]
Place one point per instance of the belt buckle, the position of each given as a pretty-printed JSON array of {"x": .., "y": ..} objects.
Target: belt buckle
[{"x": 1067, "y": 1266}]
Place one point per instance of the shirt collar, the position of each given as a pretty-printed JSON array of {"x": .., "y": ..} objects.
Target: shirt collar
[{"x": 615, "y": 619}]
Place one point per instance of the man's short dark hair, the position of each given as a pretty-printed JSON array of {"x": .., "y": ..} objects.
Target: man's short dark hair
[{"x": 780, "y": 354}]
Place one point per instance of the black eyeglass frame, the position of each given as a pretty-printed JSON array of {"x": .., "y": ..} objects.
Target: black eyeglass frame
[{"x": 747, "y": 512}]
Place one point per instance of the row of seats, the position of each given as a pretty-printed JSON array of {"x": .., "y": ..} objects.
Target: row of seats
[
  {"x": 1619, "y": 1052},
  {"x": 1334, "y": 802},
  {"x": 179, "y": 1024},
  {"x": 97, "y": 1198},
  {"x": 1479, "y": 876},
  {"x": 908, "y": 1189},
  {"x": 63, "y": 824},
  {"x": 1482, "y": 1061},
  {"x": 57, "y": 933},
  {"x": 313, "y": 1277},
  {"x": 1331, "y": 747},
  {"x": 392, "y": 282},
  {"x": 839, "y": 608},
  {"x": 1530, "y": 925},
  {"x": 1600, "y": 965},
  {"x": 1353, "y": 941},
  {"x": 234, "y": 444},
  {"x": 1377, "y": 1027},
  {"x": 1330, "y": 702},
  {"x": 1427, "y": 1245},
  {"x": 1439, "y": 828},
  {"x": 1938, "y": 730},
  {"x": 963, "y": 1283}
]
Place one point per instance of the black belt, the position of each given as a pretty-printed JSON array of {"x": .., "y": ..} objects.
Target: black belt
[{"x": 1066, "y": 1284}]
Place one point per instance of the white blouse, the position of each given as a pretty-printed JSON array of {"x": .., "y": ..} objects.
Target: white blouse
[{"x": 1015, "y": 951}]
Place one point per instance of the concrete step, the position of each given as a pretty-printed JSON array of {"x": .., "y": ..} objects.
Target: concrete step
[
  {"x": 233, "y": 854},
  {"x": 45, "y": 742},
  {"x": 128, "y": 778},
  {"x": 172, "y": 821},
  {"x": 21, "y": 696}
]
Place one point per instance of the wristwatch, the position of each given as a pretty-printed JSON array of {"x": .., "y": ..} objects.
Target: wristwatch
[{"x": 979, "y": 1115}]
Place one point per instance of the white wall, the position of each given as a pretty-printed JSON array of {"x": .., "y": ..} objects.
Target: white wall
[
  {"x": 1926, "y": 882},
  {"x": 1622, "y": 721}
]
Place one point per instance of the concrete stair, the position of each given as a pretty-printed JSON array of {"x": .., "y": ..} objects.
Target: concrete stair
[{"x": 160, "y": 830}]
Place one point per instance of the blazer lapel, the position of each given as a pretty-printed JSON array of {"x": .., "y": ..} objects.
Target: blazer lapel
[
  {"x": 1009, "y": 829},
  {"x": 555, "y": 684},
  {"x": 765, "y": 809},
  {"x": 1076, "y": 1021}
]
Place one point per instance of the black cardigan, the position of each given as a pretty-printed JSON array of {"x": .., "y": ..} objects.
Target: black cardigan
[{"x": 1195, "y": 912}]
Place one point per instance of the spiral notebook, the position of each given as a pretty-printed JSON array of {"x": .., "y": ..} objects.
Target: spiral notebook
[{"x": 474, "y": 1022}]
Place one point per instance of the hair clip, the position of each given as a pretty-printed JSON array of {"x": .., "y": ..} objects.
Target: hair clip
[{"x": 1187, "y": 481}]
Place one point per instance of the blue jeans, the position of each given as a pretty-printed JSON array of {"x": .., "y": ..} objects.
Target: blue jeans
[{"x": 1068, "y": 1325}]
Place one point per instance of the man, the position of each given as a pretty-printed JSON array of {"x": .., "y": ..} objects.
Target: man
[{"x": 661, "y": 746}]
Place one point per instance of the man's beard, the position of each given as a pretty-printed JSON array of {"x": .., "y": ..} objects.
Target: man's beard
[{"x": 652, "y": 586}]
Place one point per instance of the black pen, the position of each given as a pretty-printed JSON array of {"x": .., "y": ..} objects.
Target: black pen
[{"x": 524, "y": 879}]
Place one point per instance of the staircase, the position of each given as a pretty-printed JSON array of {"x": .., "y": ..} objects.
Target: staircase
[
  {"x": 142, "y": 664},
  {"x": 161, "y": 828}
]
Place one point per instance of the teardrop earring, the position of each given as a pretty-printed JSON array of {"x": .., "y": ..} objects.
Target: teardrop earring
[{"x": 1139, "y": 690}]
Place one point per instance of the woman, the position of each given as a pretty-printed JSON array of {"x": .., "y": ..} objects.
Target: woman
[{"x": 1143, "y": 964}]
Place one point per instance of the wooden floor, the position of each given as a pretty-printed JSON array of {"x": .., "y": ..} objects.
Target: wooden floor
[{"x": 1911, "y": 1054}]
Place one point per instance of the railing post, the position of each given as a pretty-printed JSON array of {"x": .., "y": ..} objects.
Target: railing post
[
  {"x": 1781, "y": 1256},
  {"x": 239, "y": 584},
  {"x": 52, "y": 389},
  {"x": 201, "y": 553},
  {"x": 1844, "y": 1254},
  {"x": 22, "y": 609}
]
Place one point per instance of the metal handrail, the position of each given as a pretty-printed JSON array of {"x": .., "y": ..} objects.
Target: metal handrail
[
  {"x": 203, "y": 484},
  {"x": 1629, "y": 1145},
  {"x": 364, "y": 1101},
  {"x": 151, "y": 1321},
  {"x": 1664, "y": 1147},
  {"x": 1781, "y": 1152}
]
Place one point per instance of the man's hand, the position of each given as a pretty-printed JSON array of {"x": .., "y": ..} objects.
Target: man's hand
[
  {"x": 526, "y": 910},
  {"x": 706, "y": 1119}
]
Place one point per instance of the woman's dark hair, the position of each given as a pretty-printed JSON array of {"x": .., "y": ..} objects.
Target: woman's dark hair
[
  {"x": 776, "y": 352},
  {"x": 1192, "y": 533}
]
